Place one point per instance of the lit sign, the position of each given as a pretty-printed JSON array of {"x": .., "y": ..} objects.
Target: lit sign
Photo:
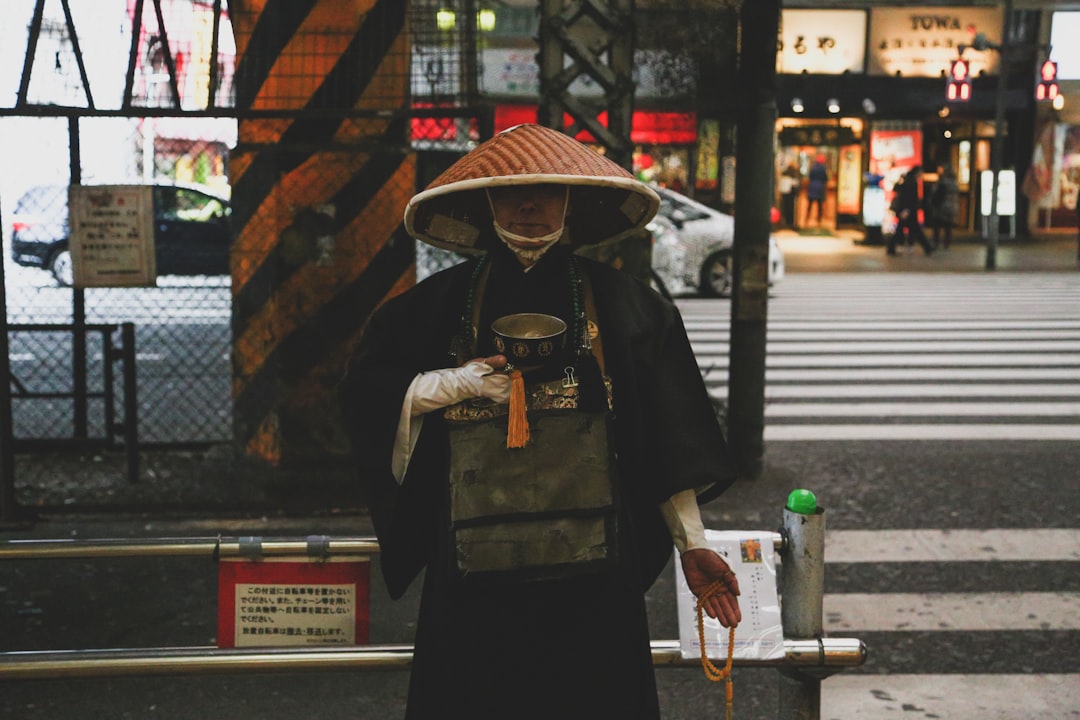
[
  {"x": 821, "y": 41},
  {"x": 1063, "y": 34},
  {"x": 1006, "y": 192},
  {"x": 924, "y": 41}
]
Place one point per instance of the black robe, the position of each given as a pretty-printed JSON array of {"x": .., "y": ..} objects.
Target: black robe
[{"x": 569, "y": 648}]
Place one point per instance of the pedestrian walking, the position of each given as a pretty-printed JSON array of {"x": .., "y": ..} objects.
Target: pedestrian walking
[
  {"x": 817, "y": 184},
  {"x": 1078, "y": 228},
  {"x": 789, "y": 185},
  {"x": 906, "y": 204},
  {"x": 538, "y": 521},
  {"x": 944, "y": 204}
]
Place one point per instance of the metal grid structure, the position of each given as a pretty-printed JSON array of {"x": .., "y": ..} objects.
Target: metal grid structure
[{"x": 148, "y": 90}]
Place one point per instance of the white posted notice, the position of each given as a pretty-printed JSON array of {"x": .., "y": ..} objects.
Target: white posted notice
[
  {"x": 760, "y": 634},
  {"x": 112, "y": 235}
]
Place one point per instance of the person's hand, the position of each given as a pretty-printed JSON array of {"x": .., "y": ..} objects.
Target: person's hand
[
  {"x": 494, "y": 385},
  {"x": 702, "y": 567},
  {"x": 497, "y": 362},
  {"x": 478, "y": 378}
]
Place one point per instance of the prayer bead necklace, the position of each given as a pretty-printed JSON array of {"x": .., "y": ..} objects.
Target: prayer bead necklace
[{"x": 711, "y": 671}]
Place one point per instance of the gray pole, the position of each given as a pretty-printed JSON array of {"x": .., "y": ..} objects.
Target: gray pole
[
  {"x": 7, "y": 452},
  {"x": 999, "y": 122},
  {"x": 801, "y": 610},
  {"x": 756, "y": 134}
]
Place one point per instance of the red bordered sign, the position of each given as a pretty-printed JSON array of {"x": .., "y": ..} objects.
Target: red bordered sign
[{"x": 291, "y": 602}]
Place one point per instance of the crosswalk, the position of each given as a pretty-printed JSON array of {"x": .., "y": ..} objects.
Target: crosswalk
[
  {"x": 876, "y": 357},
  {"x": 910, "y": 357}
]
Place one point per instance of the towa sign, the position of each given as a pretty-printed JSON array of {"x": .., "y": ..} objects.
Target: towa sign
[{"x": 924, "y": 41}]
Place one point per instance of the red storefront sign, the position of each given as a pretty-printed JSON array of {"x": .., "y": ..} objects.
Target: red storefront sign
[{"x": 647, "y": 128}]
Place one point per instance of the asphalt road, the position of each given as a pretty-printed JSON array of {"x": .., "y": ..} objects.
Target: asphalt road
[
  {"x": 58, "y": 604},
  {"x": 1008, "y": 649}
]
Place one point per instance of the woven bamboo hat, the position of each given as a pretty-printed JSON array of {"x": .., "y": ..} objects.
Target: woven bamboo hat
[{"x": 607, "y": 202}]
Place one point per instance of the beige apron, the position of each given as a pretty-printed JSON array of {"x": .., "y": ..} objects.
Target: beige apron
[{"x": 548, "y": 509}]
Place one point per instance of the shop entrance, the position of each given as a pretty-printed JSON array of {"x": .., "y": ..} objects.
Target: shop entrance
[{"x": 818, "y": 185}]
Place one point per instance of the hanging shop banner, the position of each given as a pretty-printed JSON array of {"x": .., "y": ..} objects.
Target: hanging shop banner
[
  {"x": 760, "y": 635},
  {"x": 827, "y": 42},
  {"x": 817, "y": 135},
  {"x": 293, "y": 602},
  {"x": 112, "y": 235},
  {"x": 924, "y": 41},
  {"x": 849, "y": 180},
  {"x": 708, "y": 159}
]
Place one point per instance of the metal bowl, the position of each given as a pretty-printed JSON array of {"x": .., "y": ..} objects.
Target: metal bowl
[{"x": 529, "y": 340}]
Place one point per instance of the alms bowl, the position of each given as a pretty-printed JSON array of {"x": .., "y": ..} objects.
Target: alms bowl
[{"x": 529, "y": 339}]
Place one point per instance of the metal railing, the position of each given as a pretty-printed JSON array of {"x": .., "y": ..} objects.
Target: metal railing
[{"x": 808, "y": 658}]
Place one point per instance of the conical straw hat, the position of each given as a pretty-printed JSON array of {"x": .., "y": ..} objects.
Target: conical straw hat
[{"x": 607, "y": 202}]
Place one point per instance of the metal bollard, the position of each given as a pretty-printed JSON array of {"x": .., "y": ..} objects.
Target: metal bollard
[{"x": 802, "y": 593}]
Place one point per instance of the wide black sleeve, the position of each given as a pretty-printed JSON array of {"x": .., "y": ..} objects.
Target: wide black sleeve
[
  {"x": 371, "y": 398},
  {"x": 667, "y": 422},
  {"x": 689, "y": 448},
  {"x": 407, "y": 335},
  {"x": 667, "y": 434}
]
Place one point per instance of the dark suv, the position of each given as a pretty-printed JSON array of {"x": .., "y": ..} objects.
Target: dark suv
[{"x": 191, "y": 231}]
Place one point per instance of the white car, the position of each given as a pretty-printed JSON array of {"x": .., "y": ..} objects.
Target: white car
[{"x": 692, "y": 245}]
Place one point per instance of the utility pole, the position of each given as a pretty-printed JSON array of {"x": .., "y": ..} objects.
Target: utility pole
[
  {"x": 754, "y": 161},
  {"x": 993, "y": 231}
]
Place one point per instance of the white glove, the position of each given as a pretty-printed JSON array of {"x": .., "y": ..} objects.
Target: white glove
[{"x": 440, "y": 388}]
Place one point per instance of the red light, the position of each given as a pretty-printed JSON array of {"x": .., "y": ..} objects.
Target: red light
[
  {"x": 1048, "y": 71},
  {"x": 959, "y": 70}
]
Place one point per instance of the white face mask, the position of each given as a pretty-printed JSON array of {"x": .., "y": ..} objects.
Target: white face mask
[{"x": 537, "y": 246}]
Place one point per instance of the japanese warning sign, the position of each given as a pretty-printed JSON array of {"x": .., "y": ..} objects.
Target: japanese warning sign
[
  {"x": 112, "y": 235},
  {"x": 291, "y": 602}
]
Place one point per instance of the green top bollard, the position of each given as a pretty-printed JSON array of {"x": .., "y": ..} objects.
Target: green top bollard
[{"x": 802, "y": 501}]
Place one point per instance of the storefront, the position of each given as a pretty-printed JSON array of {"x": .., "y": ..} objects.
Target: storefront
[
  {"x": 864, "y": 91},
  {"x": 1053, "y": 182}
]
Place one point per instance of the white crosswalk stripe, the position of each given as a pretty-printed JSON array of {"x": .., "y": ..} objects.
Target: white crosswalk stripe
[
  {"x": 861, "y": 357},
  {"x": 881, "y": 357}
]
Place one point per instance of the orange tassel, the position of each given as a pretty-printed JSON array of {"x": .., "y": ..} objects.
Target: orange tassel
[{"x": 517, "y": 430}]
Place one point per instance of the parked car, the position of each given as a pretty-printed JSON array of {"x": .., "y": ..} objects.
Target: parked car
[
  {"x": 191, "y": 230},
  {"x": 692, "y": 245}
]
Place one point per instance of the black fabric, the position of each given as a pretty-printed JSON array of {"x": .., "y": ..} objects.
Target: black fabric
[{"x": 569, "y": 648}]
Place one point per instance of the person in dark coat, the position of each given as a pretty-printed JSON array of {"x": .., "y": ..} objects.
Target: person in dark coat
[
  {"x": 816, "y": 186},
  {"x": 518, "y": 616},
  {"x": 906, "y": 205},
  {"x": 789, "y": 185},
  {"x": 944, "y": 204}
]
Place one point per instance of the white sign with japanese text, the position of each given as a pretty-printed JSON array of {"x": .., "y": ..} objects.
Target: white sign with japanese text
[
  {"x": 924, "y": 41},
  {"x": 822, "y": 41},
  {"x": 760, "y": 634},
  {"x": 112, "y": 235}
]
